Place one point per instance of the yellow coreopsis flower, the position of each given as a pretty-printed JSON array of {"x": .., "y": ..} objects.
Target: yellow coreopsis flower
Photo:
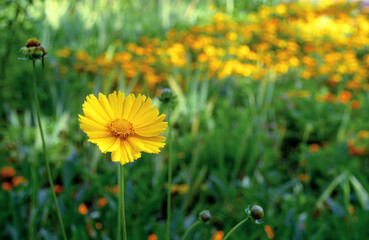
[{"x": 123, "y": 126}]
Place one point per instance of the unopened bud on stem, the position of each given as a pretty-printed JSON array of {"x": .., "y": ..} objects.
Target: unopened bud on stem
[
  {"x": 257, "y": 212},
  {"x": 33, "y": 50},
  {"x": 205, "y": 216}
]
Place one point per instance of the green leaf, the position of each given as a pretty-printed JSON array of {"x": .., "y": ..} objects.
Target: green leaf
[
  {"x": 330, "y": 188},
  {"x": 361, "y": 193}
]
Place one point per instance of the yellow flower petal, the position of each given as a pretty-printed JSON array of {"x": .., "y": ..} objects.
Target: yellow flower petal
[
  {"x": 90, "y": 124},
  {"x": 120, "y": 102},
  {"x": 127, "y": 106},
  {"x": 104, "y": 143},
  {"x": 94, "y": 105},
  {"x": 100, "y": 134},
  {"x": 136, "y": 106},
  {"x": 106, "y": 106}
]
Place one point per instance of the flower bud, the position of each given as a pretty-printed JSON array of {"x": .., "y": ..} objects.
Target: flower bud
[
  {"x": 166, "y": 95},
  {"x": 257, "y": 212},
  {"x": 33, "y": 50},
  {"x": 205, "y": 216},
  {"x": 167, "y": 99}
]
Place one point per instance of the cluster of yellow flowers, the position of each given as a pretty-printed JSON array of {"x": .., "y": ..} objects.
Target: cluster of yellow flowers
[{"x": 325, "y": 42}]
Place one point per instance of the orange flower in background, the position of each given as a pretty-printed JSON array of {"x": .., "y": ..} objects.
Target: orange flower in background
[
  {"x": 269, "y": 231},
  {"x": 58, "y": 189},
  {"x": 6, "y": 186},
  {"x": 7, "y": 172},
  {"x": 351, "y": 209},
  {"x": 304, "y": 177},
  {"x": 344, "y": 96},
  {"x": 115, "y": 189},
  {"x": 124, "y": 126},
  {"x": 218, "y": 235},
  {"x": 357, "y": 151},
  {"x": 18, "y": 180},
  {"x": 354, "y": 150},
  {"x": 102, "y": 202},
  {"x": 329, "y": 97},
  {"x": 82, "y": 56},
  {"x": 355, "y": 104},
  {"x": 82, "y": 209},
  {"x": 353, "y": 85},
  {"x": 98, "y": 225},
  {"x": 309, "y": 61},
  {"x": 314, "y": 147},
  {"x": 152, "y": 236}
]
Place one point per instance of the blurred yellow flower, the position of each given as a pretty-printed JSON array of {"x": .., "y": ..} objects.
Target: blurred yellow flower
[
  {"x": 179, "y": 188},
  {"x": 123, "y": 126},
  {"x": 364, "y": 134},
  {"x": 298, "y": 94},
  {"x": 63, "y": 53},
  {"x": 82, "y": 56}
]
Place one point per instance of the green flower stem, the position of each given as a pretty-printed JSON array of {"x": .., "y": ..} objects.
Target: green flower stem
[
  {"x": 121, "y": 196},
  {"x": 119, "y": 227},
  {"x": 235, "y": 228},
  {"x": 169, "y": 199},
  {"x": 35, "y": 95},
  {"x": 190, "y": 229},
  {"x": 32, "y": 225}
]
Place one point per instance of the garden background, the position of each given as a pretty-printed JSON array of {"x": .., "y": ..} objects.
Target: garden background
[{"x": 271, "y": 108}]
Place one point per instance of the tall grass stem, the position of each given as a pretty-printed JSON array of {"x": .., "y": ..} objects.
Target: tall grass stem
[{"x": 51, "y": 184}]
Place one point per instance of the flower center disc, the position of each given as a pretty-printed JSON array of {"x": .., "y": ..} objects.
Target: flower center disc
[{"x": 120, "y": 128}]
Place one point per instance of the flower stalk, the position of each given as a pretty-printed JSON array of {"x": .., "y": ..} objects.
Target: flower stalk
[
  {"x": 32, "y": 225},
  {"x": 169, "y": 195},
  {"x": 122, "y": 213},
  {"x": 119, "y": 226},
  {"x": 256, "y": 213},
  {"x": 51, "y": 184},
  {"x": 190, "y": 229},
  {"x": 168, "y": 103},
  {"x": 235, "y": 228}
]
